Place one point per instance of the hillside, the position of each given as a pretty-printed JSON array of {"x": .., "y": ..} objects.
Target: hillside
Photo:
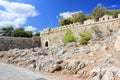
[{"x": 99, "y": 60}]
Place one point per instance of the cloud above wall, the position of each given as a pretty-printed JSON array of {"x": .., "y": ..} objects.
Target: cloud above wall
[
  {"x": 67, "y": 14},
  {"x": 30, "y": 28},
  {"x": 15, "y": 13},
  {"x": 111, "y": 6}
]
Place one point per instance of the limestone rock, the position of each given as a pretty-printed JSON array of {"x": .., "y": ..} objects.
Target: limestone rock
[
  {"x": 1, "y": 55},
  {"x": 62, "y": 51},
  {"x": 117, "y": 42},
  {"x": 32, "y": 66},
  {"x": 81, "y": 65},
  {"x": 72, "y": 44},
  {"x": 83, "y": 50},
  {"x": 108, "y": 76}
]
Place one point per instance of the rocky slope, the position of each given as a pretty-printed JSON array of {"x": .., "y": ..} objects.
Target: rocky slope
[{"x": 99, "y": 60}]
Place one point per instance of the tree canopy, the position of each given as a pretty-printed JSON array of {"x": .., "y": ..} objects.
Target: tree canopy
[
  {"x": 7, "y": 30},
  {"x": 65, "y": 21},
  {"x": 37, "y": 34},
  {"x": 78, "y": 17},
  {"x": 98, "y": 12},
  {"x": 20, "y": 32}
]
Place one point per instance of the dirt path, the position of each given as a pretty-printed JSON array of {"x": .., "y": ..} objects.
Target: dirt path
[{"x": 8, "y": 72}]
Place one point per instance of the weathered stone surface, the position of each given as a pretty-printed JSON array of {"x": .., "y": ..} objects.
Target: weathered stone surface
[
  {"x": 32, "y": 66},
  {"x": 1, "y": 54},
  {"x": 72, "y": 44},
  {"x": 117, "y": 42},
  {"x": 108, "y": 76},
  {"x": 7, "y": 43},
  {"x": 95, "y": 70},
  {"x": 83, "y": 50},
  {"x": 81, "y": 65}
]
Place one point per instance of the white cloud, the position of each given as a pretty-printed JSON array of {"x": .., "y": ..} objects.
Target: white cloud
[
  {"x": 99, "y": 4},
  {"x": 15, "y": 13},
  {"x": 30, "y": 28},
  {"x": 113, "y": 6},
  {"x": 67, "y": 14}
]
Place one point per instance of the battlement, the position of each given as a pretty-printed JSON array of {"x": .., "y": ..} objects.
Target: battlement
[{"x": 105, "y": 18}]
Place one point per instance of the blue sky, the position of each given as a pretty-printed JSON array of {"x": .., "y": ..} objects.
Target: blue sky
[{"x": 46, "y": 13}]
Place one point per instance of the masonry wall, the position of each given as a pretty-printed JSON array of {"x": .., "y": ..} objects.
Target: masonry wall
[
  {"x": 7, "y": 43},
  {"x": 54, "y": 36}
]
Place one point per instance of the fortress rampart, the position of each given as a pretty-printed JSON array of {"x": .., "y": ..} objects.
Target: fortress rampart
[
  {"x": 7, "y": 43},
  {"x": 53, "y": 37}
]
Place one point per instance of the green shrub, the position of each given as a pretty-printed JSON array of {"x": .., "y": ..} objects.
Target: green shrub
[
  {"x": 95, "y": 29},
  {"x": 69, "y": 37},
  {"x": 118, "y": 27},
  {"x": 85, "y": 37}
]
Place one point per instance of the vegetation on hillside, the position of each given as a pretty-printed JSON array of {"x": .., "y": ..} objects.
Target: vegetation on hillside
[
  {"x": 96, "y": 13},
  {"x": 69, "y": 37},
  {"x": 18, "y": 32},
  {"x": 85, "y": 37},
  {"x": 37, "y": 34}
]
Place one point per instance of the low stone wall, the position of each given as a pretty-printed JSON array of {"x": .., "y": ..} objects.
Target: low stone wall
[{"x": 7, "y": 43}]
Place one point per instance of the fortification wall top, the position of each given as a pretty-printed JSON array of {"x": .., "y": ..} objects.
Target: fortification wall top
[{"x": 105, "y": 18}]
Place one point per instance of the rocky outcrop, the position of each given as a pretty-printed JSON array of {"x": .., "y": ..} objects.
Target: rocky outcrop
[{"x": 95, "y": 61}]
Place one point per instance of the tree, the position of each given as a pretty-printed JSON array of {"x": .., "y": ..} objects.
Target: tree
[
  {"x": 65, "y": 21},
  {"x": 85, "y": 37},
  {"x": 113, "y": 12},
  {"x": 37, "y": 34},
  {"x": 20, "y": 32},
  {"x": 98, "y": 12},
  {"x": 78, "y": 17},
  {"x": 88, "y": 16},
  {"x": 29, "y": 34},
  {"x": 69, "y": 37},
  {"x": 8, "y": 30}
]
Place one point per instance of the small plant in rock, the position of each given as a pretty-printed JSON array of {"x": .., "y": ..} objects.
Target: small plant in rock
[
  {"x": 69, "y": 36},
  {"x": 118, "y": 27},
  {"x": 95, "y": 30},
  {"x": 85, "y": 37}
]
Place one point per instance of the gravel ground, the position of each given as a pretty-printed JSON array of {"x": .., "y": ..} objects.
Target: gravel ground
[{"x": 8, "y": 72}]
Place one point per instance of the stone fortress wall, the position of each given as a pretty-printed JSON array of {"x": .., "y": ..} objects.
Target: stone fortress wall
[
  {"x": 7, "y": 43},
  {"x": 53, "y": 37}
]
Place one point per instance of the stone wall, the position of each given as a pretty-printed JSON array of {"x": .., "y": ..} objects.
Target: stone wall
[
  {"x": 53, "y": 37},
  {"x": 7, "y": 43}
]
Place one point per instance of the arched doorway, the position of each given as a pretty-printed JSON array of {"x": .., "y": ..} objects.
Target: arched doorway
[{"x": 46, "y": 44}]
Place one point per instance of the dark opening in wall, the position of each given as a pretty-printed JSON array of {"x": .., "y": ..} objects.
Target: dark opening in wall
[
  {"x": 46, "y": 44},
  {"x": 103, "y": 19}
]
